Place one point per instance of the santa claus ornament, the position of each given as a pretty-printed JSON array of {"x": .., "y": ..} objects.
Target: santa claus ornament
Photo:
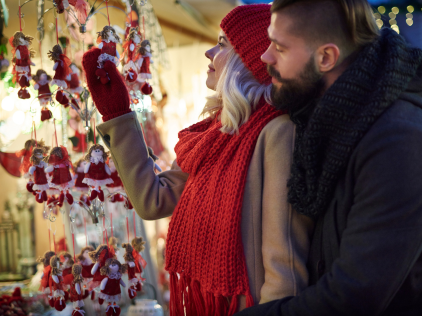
[
  {"x": 42, "y": 85},
  {"x": 37, "y": 171},
  {"x": 107, "y": 40},
  {"x": 97, "y": 173},
  {"x": 131, "y": 270},
  {"x": 62, "y": 70},
  {"x": 130, "y": 69},
  {"x": 117, "y": 184},
  {"x": 45, "y": 276},
  {"x": 61, "y": 178},
  {"x": 110, "y": 285},
  {"x": 56, "y": 284},
  {"x": 75, "y": 281},
  {"x": 99, "y": 256},
  {"x": 22, "y": 62},
  {"x": 86, "y": 263}
]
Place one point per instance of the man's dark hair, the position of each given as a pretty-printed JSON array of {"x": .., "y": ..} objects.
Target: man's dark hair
[{"x": 349, "y": 24}]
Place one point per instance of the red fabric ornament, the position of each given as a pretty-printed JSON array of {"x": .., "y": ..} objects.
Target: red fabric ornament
[
  {"x": 11, "y": 163},
  {"x": 215, "y": 206},
  {"x": 46, "y": 114},
  {"x": 246, "y": 28},
  {"x": 146, "y": 88}
]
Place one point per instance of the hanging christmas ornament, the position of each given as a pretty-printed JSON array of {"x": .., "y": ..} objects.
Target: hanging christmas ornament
[
  {"x": 138, "y": 245},
  {"x": 22, "y": 63},
  {"x": 131, "y": 270},
  {"x": 37, "y": 171},
  {"x": 82, "y": 9},
  {"x": 74, "y": 85},
  {"x": 99, "y": 256},
  {"x": 144, "y": 60},
  {"x": 61, "y": 178},
  {"x": 67, "y": 263},
  {"x": 75, "y": 281},
  {"x": 107, "y": 40},
  {"x": 97, "y": 172},
  {"x": 56, "y": 284},
  {"x": 42, "y": 85},
  {"x": 85, "y": 261},
  {"x": 117, "y": 184},
  {"x": 62, "y": 70},
  {"x": 60, "y": 5},
  {"x": 146, "y": 88},
  {"x": 45, "y": 276},
  {"x": 110, "y": 285},
  {"x": 130, "y": 69}
]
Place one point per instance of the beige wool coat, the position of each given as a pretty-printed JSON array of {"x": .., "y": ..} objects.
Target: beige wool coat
[{"x": 275, "y": 238}]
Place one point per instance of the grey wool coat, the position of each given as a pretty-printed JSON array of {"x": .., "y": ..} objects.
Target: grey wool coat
[{"x": 276, "y": 239}]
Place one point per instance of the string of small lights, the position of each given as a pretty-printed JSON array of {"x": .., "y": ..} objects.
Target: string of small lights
[{"x": 393, "y": 12}]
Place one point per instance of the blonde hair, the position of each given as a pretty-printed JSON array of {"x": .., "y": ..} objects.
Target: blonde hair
[{"x": 237, "y": 94}]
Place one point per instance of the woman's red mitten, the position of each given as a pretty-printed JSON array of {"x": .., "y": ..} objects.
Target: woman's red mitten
[{"x": 111, "y": 99}]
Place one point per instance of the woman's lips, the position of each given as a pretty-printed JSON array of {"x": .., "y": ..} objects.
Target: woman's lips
[{"x": 210, "y": 69}]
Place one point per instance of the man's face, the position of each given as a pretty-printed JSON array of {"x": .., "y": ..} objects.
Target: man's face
[{"x": 291, "y": 64}]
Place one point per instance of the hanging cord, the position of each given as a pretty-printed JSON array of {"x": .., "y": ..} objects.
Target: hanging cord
[
  {"x": 73, "y": 240},
  {"x": 86, "y": 236},
  {"x": 55, "y": 133},
  {"x": 127, "y": 227},
  {"x": 35, "y": 133},
  {"x": 57, "y": 31},
  {"x": 111, "y": 224},
  {"x": 20, "y": 17},
  {"x": 49, "y": 236},
  {"x": 108, "y": 16}
]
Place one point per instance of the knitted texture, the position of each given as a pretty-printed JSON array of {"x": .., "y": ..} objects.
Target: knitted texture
[
  {"x": 112, "y": 99},
  {"x": 204, "y": 241},
  {"x": 246, "y": 28},
  {"x": 326, "y": 140}
]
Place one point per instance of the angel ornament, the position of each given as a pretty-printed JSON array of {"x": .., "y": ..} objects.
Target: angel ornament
[
  {"x": 132, "y": 41},
  {"x": 22, "y": 61},
  {"x": 42, "y": 84},
  {"x": 61, "y": 179},
  {"x": 37, "y": 171},
  {"x": 110, "y": 285},
  {"x": 56, "y": 284},
  {"x": 108, "y": 40},
  {"x": 97, "y": 172},
  {"x": 144, "y": 60},
  {"x": 62, "y": 70}
]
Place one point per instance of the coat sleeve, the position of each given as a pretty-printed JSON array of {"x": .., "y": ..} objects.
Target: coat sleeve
[
  {"x": 153, "y": 196},
  {"x": 285, "y": 233},
  {"x": 383, "y": 237}
]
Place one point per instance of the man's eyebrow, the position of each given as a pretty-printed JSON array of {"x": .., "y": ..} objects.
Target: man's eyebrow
[
  {"x": 222, "y": 37},
  {"x": 276, "y": 42}
]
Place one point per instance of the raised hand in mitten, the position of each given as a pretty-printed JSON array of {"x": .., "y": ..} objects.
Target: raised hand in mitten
[{"x": 111, "y": 99}]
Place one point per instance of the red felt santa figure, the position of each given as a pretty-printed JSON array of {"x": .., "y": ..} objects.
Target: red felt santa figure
[
  {"x": 87, "y": 265},
  {"x": 62, "y": 70},
  {"x": 140, "y": 263},
  {"x": 110, "y": 285},
  {"x": 37, "y": 171},
  {"x": 22, "y": 62},
  {"x": 99, "y": 256},
  {"x": 67, "y": 263},
  {"x": 45, "y": 276},
  {"x": 42, "y": 84},
  {"x": 75, "y": 281},
  {"x": 61, "y": 178},
  {"x": 78, "y": 177},
  {"x": 107, "y": 40},
  {"x": 130, "y": 69},
  {"x": 56, "y": 284},
  {"x": 131, "y": 270},
  {"x": 144, "y": 60},
  {"x": 97, "y": 172},
  {"x": 117, "y": 184}
]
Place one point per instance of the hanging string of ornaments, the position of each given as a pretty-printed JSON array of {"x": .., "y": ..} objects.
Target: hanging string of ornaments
[{"x": 54, "y": 180}]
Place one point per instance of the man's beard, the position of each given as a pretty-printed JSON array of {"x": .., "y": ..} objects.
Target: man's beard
[{"x": 299, "y": 95}]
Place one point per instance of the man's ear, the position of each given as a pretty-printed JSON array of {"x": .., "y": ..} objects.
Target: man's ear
[{"x": 327, "y": 57}]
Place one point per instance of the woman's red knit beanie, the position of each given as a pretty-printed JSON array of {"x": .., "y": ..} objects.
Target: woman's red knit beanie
[{"x": 246, "y": 28}]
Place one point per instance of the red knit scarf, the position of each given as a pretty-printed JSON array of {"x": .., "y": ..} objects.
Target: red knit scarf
[{"x": 204, "y": 244}]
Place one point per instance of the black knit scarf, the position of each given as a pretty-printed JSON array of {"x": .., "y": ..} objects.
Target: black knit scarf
[{"x": 326, "y": 140}]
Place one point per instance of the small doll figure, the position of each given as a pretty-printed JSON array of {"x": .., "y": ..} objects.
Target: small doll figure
[
  {"x": 110, "y": 285},
  {"x": 45, "y": 277},
  {"x": 67, "y": 262},
  {"x": 144, "y": 61},
  {"x": 56, "y": 284},
  {"x": 78, "y": 177},
  {"x": 131, "y": 270},
  {"x": 72, "y": 80},
  {"x": 99, "y": 256},
  {"x": 97, "y": 173},
  {"x": 117, "y": 184},
  {"x": 42, "y": 84},
  {"x": 75, "y": 281},
  {"x": 140, "y": 263},
  {"x": 130, "y": 69},
  {"x": 22, "y": 62},
  {"x": 108, "y": 40},
  {"x": 62, "y": 70},
  {"x": 61, "y": 178},
  {"x": 37, "y": 172},
  {"x": 85, "y": 261}
]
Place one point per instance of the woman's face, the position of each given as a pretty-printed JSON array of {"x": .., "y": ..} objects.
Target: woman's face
[{"x": 218, "y": 56}]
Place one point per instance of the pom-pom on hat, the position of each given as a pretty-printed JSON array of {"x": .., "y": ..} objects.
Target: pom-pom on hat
[{"x": 246, "y": 29}]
